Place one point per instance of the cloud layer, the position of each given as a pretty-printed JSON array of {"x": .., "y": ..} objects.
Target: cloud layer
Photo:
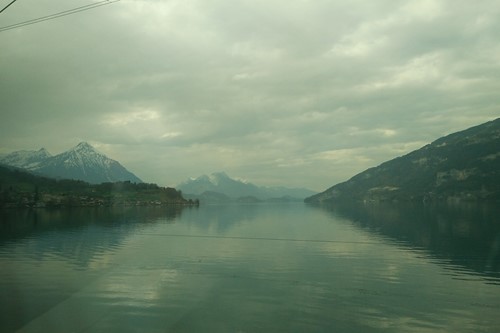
[{"x": 302, "y": 93}]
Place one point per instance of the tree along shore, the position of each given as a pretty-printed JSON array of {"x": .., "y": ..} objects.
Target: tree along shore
[{"x": 20, "y": 189}]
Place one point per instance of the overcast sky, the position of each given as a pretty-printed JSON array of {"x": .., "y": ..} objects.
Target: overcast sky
[{"x": 296, "y": 93}]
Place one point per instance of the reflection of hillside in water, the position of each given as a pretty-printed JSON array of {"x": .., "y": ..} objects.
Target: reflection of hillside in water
[
  {"x": 78, "y": 233},
  {"x": 463, "y": 236}
]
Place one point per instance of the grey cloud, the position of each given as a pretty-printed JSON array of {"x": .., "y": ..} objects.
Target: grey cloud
[{"x": 301, "y": 94}]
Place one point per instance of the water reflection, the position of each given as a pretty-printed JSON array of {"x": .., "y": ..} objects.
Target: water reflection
[
  {"x": 248, "y": 268},
  {"x": 20, "y": 223},
  {"x": 48, "y": 255},
  {"x": 463, "y": 237}
]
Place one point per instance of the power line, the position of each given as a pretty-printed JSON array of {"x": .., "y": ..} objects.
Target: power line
[
  {"x": 59, "y": 14},
  {"x": 274, "y": 239},
  {"x": 4, "y": 8}
]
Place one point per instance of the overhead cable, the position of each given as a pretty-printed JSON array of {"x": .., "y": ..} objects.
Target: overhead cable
[
  {"x": 59, "y": 14},
  {"x": 304, "y": 240},
  {"x": 4, "y": 8}
]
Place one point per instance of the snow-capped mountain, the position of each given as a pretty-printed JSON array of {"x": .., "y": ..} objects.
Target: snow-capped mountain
[
  {"x": 220, "y": 182},
  {"x": 26, "y": 159},
  {"x": 81, "y": 162}
]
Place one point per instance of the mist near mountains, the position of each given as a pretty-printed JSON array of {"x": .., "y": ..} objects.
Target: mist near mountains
[
  {"x": 221, "y": 187},
  {"x": 461, "y": 166},
  {"x": 84, "y": 162}
]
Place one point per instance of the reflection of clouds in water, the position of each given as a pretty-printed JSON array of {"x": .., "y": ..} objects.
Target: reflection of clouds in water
[
  {"x": 463, "y": 320},
  {"x": 101, "y": 261},
  {"x": 345, "y": 249},
  {"x": 290, "y": 263},
  {"x": 380, "y": 260},
  {"x": 392, "y": 273},
  {"x": 138, "y": 287},
  {"x": 377, "y": 319}
]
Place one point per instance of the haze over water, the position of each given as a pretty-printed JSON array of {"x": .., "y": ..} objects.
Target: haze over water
[{"x": 251, "y": 268}]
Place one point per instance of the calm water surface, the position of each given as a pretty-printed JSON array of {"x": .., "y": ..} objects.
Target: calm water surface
[{"x": 251, "y": 268}]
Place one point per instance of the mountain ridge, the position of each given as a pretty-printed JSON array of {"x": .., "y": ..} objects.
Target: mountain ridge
[
  {"x": 464, "y": 165},
  {"x": 81, "y": 162},
  {"x": 26, "y": 159},
  {"x": 221, "y": 184}
]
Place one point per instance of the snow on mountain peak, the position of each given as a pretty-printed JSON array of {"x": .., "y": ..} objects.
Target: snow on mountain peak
[
  {"x": 83, "y": 147},
  {"x": 222, "y": 183},
  {"x": 80, "y": 162},
  {"x": 28, "y": 159},
  {"x": 213, "y": 179},
  {"x": 42, "y": 152},
  {"x": 216, "y": 177},
  {"x": 84, "y": 156}
]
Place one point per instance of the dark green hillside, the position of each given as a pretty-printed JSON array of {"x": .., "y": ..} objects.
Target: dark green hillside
[
  {"x": 461, "y": 166},
  {"x": 22, "y": 189}
]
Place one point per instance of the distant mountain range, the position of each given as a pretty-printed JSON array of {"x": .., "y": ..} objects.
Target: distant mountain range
[
  {"x": 219, "y": 187},
  {"x": 461, "y": 166},
  {"x": 81, "y": 162}
]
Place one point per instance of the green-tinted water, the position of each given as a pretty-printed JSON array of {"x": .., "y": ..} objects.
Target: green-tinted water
[{"x": 251, "y": 268}]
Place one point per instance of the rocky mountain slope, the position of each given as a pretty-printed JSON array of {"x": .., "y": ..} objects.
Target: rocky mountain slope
[
  {"x": 461, "y": 166},
  {"x": 26, "y": 159},
  {"x": 81, "y": 162}
]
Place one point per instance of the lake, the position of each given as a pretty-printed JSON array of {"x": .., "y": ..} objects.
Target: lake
[{"x": 251, "y": 268}]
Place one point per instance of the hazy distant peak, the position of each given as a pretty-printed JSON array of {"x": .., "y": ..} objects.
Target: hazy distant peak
[
  {"x": 220, "y": 174},
  {"x": 221, "y": 182},
  {"x": 216, "y": 177},
  {"x": 213, "y": 179}
]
